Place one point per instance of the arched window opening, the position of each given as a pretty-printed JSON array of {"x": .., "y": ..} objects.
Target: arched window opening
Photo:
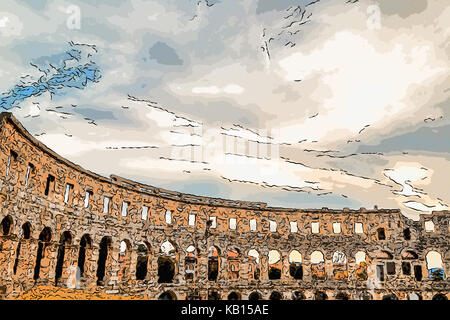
[
  {"x": 414, "y": 296},
  {"x": 166, "y": 270},
  {"x": 298, "y": 295},
  {"x": 390, "y": 297},
  {"x": 167, "y": 295},
  {"x": 407, "y": 234},
  {"x": 275, "y": 296},
  {"x": 254, "y": 296},
  {"x": 342, "y": 296},
  {"x": 440, "y": 296},
  {"x": 142, "y": 262},
  {"x": 124, "y": 260},
  {"x": 361, "y": 266},
  {"x": 340, "y": 271},
  {"x": 274, "y": 265},
  {"x": 7, "y": 223},
  {"x": 190, "y": 263},
  {"x": 213, "y": 263},
  {"x": 234, "y": 263},
  {"x": 435, "y": 266},
  {"x": 317, "y": 266},
  {"x": 25, "y": 235},
  {"x": 385, "y": 265},
  {"x": 44, "y": 241},
  {"x": 381, "y": 235},
  {"x": 253, "y": 265},
  {"x": 234, "y": 296},
  {"x": 166, "y": 263},
  {"x": 407, "y": 256},
  {"x": 84, "y": 253},
  {"x": 365, "y": 296},
  {"x": 102, "y": 263},
  {"x": 320, "y": 295},
  {"x": 213, "y": 295},
  {"x": 64, "y": 242},
  {"x": 295, "y": 265}
]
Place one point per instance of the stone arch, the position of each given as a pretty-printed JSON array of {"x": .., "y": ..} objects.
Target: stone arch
[
  {"x": 275, "y": 265},
  {"x": 439, "y": 296},
  {"x": 275, "y": 295},
  {"x": 414, "y": 296},
  {"x": 124, "y": 260},
  {"x": 234, "y": 262},
  {"x": 84, "y": 254},
  {"x": 104, "y": 263},
  {"x": 43, "y": 252},
  {"x": 7, "y": 225},
  {"x": 365, "y": 296},
  {"x": 167, "y": 262},
  {"x": 435, "y": 265},
  {"x": 342, "y": 296},
  {"x": 318, "y": 265},
  {"x": 361, "y": 266},
  {"x": 143, "y": 250},
  {"x": 167, "y": 295},
  {"x": 407, "y": 257},
  {"x": 340, "y": 271},
  {"x": 190, "y": 263},
  {"x": 390, "y": 296},
  {"x": 23, "y": 249},
  {"x": 255, "y": 295},
  {"x": 213, "y": 295},
  {"x": 298, "y": 295},
  {"x": 253, "y": 264},
  {"x": 320, "y": 295},
  {"x": 385, "y": 264},
  {"x": 62, "y": 263},
  {"x": 295, "y": 265},
  {"x": 234, "y": 296},
  {"x": 213, "y": 263}
]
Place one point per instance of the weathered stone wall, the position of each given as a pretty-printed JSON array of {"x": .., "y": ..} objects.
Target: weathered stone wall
[{"x": 24, "y": 203}]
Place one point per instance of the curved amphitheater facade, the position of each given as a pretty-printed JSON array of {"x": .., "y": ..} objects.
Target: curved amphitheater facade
[{"x": 63, "y": 226}]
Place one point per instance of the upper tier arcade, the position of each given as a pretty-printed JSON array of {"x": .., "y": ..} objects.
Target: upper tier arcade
[{"x": 120, "y": 236}]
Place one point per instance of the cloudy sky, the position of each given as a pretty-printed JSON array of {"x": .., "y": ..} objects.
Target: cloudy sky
[{"x": 297, "y": 103}]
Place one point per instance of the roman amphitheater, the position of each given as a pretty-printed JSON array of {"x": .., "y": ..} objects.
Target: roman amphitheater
[{"x": 66, "y": 229}]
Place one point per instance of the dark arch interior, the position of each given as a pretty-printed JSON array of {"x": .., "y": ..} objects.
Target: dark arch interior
[
  {"x": 85, "y": 243},
  {"x": 381, "y": 234},
  {"x": 166, "y": 270},
  {"x": 6, "y": 225},
  {"x": 296, "y": 271},
  {"x": 365, "y": 296},
  {"x": 440, "y": 296},
  {"x": 213, "y": 295},
  {"x": 298, "y": 295},
  {"x": 105, "y": 243},
  {"x": 274, "y": 273},
  {"x": 254, "y": 296},
  {"x": 44, "y": 239},
  {"x": 66, "y": 239},
  {"x": 213, "y": 267},
  {"x": 390, "y": 297},
  {"x": 342, "y": 296},
  {"x": 142, "y": 261},
  {"x": 233, "y": 296},
  {"x": 275, "y": 296},
  {"x": 167, "y": 296},
  {"x": 320, "y": 295},
  {"x": 26, "y": 234},
  {"x": 407, "y": 234}
]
